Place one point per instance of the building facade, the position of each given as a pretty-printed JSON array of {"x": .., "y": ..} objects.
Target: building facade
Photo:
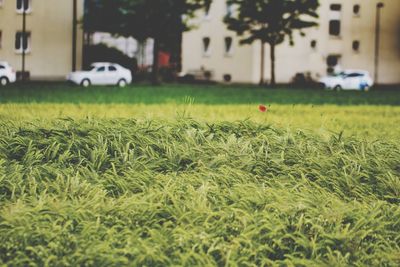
[
  {"x": 344, "y": 39},
  {"x": 52, "y": 41}
]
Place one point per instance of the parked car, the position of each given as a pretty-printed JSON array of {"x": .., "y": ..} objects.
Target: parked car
[
  {"x": 102, "y": 73},
  {"x": 7, "y": 74},
  {"x": 348, "y": 80},
  {"x": 196, "y": 75}
]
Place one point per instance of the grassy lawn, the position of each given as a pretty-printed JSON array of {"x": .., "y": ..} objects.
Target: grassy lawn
[
  {"x": 200, "y": 94},
  {"x": 375, "y": 114},
  {"x": 198, "y": 176}
]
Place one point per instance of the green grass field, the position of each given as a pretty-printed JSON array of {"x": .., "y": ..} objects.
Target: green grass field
[
  {"x": 200, "y": 94},
  {"x": 198, "y": 176}
]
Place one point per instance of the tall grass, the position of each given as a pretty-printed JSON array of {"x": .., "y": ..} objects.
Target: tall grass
[
  {"x": 371, "y": 122},
  {"x": 107, "y": 192}
]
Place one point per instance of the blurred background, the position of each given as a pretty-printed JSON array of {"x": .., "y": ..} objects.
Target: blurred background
[{"x": 41, "y": 40}]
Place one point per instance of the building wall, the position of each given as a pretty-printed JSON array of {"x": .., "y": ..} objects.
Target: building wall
[
  {"x": 244, "y": 62},
  {"x": 216, "y": 60},
  {"x": 50, "y": 25},
  {"x": 362, "y": 28}
]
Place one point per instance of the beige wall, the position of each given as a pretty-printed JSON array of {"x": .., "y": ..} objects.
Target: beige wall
[
  {"x": 362, "y": 28},
  {"x": 245, "y": 61},
  {"x": 213, "y": 27},
  {"x": 50, "y": 24}
]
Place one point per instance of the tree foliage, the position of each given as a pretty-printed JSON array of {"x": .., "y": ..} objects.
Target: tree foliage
[
  {"x": 149, "y": 18},
  {"x": 271, "y": 21},
  {"x": 161, "y": 20}
]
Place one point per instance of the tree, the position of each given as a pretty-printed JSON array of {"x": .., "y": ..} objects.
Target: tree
[
  {"x": 271, "y": 21},
  {"x": 161, "y": 20}
]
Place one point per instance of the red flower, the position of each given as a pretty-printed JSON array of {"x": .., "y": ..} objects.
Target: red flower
[{"x": 262, "y": 108}]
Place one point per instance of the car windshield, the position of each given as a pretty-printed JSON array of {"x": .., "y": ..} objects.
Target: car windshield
[
  {"x": 336, "y": 74},
  {"x": 89, "y": 68},
  {"x": 340, "y": 75},
  {"x": 354, "y": 75}
]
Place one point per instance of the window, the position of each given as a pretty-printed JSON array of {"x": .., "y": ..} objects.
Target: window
[
  {"x": 313, "y": 44},
  {"x": 207, "y": 12},
  {"x": 356, "y": 10},
  {"x": 112, "y": 68},
  {"x": 23, "y": 5},
  {"x": 2, "y": 67},
  {"x": 335, "y": 16},
  {"x": 336, "y": 7},
  {"x": 228, "y": 45},
  {"x": 334, "y": 27},
  {"x": 101, "y": 69},
  {"x": 227, "y": 78},
  {"x": 356, "y": 46},
  {"x": 22, "y": 42},
  {"x": 354, "y": 75},
  {"x": 206, "y": 46},
  {"x": 229, "y": 10},
  {"x": 332, "y": 61}
]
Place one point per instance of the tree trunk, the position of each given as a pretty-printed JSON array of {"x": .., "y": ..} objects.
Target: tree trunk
[
  {"x": 262, "y": 70},
  {"x": 74, "y": 33},
  {"x": 154, "y": 75},
  {"x": 86, "y": 56},
  {"x": 178, "y": 59},
  {"x": 273, "y": 81}
]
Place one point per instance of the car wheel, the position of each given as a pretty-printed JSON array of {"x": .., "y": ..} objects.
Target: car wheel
[
  {"x": 338, "y": 88},
  {"x": 3, "y": 81},
  {"x": 122, "y": 83},
  {"x": 366, "y": 88},
  {"x": 85, "y": 83}
]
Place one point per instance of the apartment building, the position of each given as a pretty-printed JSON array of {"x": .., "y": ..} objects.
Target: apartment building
[
  {"x": 345, "y": 38},
  {"x": 52, "y": 41}
]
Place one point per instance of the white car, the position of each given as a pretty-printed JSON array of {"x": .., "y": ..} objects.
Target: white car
[
  {"x": 7, "y": 74},
  {"x": 349, "y": 80},
  {"x": 102, "y": 73}
]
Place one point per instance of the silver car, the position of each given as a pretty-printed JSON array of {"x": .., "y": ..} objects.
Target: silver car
[
  {"x": 348, "y": 80},
  {"x": 7, "y": 74}
]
